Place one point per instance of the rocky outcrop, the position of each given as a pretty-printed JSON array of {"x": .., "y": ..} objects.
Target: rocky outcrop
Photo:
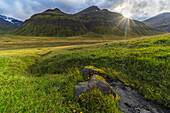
[
  {"x": 95, "y": 82},
  {"x": 131, "y": 101}
]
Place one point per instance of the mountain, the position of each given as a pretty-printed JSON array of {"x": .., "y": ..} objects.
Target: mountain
[
  {"x": 6, "y": 26},
  {"x": 57, "y": 23},
  {"x": 52, "y": 23},
  {"x": 11, "y": 20},
  {"x": 160, "y": 22}
]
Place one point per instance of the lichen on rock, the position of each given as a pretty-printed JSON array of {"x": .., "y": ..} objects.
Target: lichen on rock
[{"x": 89, "y": 71}]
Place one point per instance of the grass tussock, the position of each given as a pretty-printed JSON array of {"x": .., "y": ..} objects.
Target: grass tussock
[{"x": 95, "y": 101}]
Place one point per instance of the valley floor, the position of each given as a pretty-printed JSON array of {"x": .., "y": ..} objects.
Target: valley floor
[{"x": 39, "y": 75}]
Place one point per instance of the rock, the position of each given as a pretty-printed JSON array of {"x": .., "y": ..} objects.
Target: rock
[
  {"x": 80, "y": 88},
  {"x": 89, "y": 71},
  {"x": 144, "y": 111},
  {"x": 133, "y": 102},
  {"x": 95, "y": 82}
]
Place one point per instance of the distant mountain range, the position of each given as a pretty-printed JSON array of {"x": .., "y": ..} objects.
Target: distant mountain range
[
  {"x": 11, "y": 20},
  {"x": 57, "y": 23},
  {"x": 8, "y": 24},
  {"x": 160, "y": 22}
]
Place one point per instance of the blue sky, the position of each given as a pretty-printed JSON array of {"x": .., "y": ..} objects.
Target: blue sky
[{"x": 136, "y": 9}]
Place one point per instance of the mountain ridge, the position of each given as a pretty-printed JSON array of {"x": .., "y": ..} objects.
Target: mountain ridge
[
  {"x": 160, "y": 22},
  {"x": 54, "y": 22}
]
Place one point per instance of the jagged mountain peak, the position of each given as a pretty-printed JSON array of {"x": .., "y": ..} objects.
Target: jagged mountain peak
[
  {"x": 57, "y": 9},
  {"x": 53, "y": 10},
  {"x": 89, "y": 10}
]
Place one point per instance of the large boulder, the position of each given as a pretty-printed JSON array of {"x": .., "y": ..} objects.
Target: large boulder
[
  {"x": 89, "y": 71},
  {"x": 95, "y": 82}
]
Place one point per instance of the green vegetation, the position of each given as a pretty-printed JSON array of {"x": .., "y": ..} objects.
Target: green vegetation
[
  {"x": 95, "y": 101},
  {"x": 143, "y": 64},
  {"x": 11, "y": 42},
  {"x": 44, "y": 81}
]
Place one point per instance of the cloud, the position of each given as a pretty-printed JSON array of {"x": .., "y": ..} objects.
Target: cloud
[{"x": 136, "y": 9}]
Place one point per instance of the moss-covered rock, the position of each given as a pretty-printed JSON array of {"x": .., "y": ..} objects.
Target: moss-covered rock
[
  {"x": 95, "y": 82},
  {"x": 89, "y": 71}
]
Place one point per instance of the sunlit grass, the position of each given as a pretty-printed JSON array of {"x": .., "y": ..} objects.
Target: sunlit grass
[{"x": 43, "y": 79}]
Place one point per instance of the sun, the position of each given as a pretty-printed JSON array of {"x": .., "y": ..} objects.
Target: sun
[
  {"x": 127, "y": 14},
  {"x": 124, "y": 11}
]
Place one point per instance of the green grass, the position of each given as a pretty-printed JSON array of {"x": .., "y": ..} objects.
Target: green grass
[
  {"x": 21, "y": 92},
  {"x": 45, "y": 82},
  {"x": 11, "y": 42},
  {"x": 143, "y": 64}
]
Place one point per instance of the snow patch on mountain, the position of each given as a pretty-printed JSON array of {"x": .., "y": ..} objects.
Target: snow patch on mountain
[{"x": 11, "y": 20}]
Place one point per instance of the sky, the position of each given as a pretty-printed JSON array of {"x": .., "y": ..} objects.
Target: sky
[{"x": 135, "y": 9}]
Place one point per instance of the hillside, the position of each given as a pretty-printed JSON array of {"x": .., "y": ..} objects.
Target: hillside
[
  {"x": 160, "y": 22},
  {"x": 56, "y": 23},
  {"x": 6, "y": 26},
  {"x": 43, "y": 79},
  {"x": 52, "y": 23}
]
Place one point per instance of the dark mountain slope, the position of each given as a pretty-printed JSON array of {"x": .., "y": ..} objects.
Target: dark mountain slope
[
  {"x": 106, "y": 22},
  {"x": 6, "y": 26},
  {"x": 160, "y": 22},
  {"x": 56, "y": 23},
  {"x": 52, "y": 23}
]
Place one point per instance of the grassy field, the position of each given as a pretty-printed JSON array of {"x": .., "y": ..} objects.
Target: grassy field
[
  {"x": 11, "y": 42},
  {"x": 42, "y": 78}
]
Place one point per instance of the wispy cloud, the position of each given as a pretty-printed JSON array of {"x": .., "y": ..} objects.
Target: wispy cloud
[{"x": 136, "y": 9}]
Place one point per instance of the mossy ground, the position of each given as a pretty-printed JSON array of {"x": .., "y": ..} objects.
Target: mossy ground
[
  {"x": 95, "y": 101},
  {"x": 44, "y": 81}
]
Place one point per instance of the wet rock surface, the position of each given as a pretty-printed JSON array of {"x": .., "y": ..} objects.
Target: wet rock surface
[{"x": 131, "y": 101}]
